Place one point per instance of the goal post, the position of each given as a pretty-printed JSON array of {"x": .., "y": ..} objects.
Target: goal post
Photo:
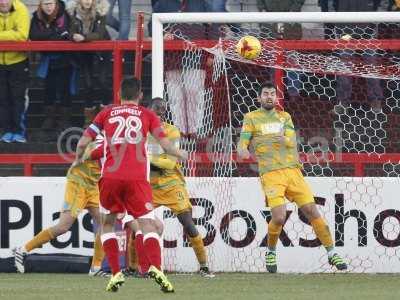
[{"x": 342, "y": 90}]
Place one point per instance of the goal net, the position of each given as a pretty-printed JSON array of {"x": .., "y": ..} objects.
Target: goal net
[{"x": 340, "y": 83}]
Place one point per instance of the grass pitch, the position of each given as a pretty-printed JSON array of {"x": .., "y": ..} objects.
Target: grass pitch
[{"x": 230, "y": 286}]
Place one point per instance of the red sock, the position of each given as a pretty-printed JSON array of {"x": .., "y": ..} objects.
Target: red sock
[
  {"x": 110, "y": 246},
  {"x": 152, "y": 249},
  {"x": 142, "y": 257}
]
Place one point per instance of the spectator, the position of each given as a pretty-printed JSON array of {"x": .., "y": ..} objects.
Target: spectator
[
  {"x": 220, "y": 29},
  {"x": 14, "y": 72},
  {"x": 288, "y": 31},
  {"x": 50, "y": 22},
  {"x": 172, "y": 6},
  {"x": 377, "y": 4},
  {"x": 390, "y": 30},
  {"x": 324, "y": 4},
  {"x": 361, "y": 31},
  {"x": 217, "y": 5},
  {"x": 123, "y": 23},
  {"x": 326, "y": 7},
  {"x": 88, "y": 23},
  {"x": 356, "y": 5},
  {"x": 393, "y": 5}
]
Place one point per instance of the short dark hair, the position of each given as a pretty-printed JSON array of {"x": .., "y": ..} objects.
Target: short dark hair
[
  {"x": 155, "y": 99},
  {"x": 266, "y": 85},
  {"x": 130, "y": 88}
]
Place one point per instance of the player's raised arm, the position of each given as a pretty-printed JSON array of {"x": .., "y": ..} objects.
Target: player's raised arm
[
  {"x": 163, "y": 160},
  {"x": 170, "y": 148},
  {"x": 158, "y": 133},
  {"x": 88, "y": 136},
  {"x": 83, "y": 142}
]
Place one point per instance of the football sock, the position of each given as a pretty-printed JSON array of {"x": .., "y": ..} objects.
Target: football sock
[
  {"x": 133, "y": 259},
  {"x": 274, "y": 231},
  {"x": 41, "y": 238},
  {"x": 98, "y": 253},
  {"x": 151, "y": 246},
  {"x": 141, "y": 255},
  {"x": 330, "y": 251},
  {"x": 110, "y": 246},
  {"x": 322, "y": 231},
  {"x": 199, "y": 249}
]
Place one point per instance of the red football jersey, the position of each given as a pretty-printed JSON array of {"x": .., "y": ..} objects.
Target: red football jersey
[{"x": 125, "y": 134}]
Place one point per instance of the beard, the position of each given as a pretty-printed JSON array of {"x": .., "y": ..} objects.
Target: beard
[{"x": 268, "y": 106}]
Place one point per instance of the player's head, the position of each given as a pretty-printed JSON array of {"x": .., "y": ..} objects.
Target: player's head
[
  {"x": 131, "y": 89},
  {"x": 5, "y": 6},
  {"x": 267, "y": 96},
  {"x": 159, "y": 106}
]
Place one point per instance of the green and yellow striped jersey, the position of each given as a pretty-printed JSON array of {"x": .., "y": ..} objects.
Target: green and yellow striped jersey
[
  {"x": 88, "y": 172},
  {"x": 272, "y": 135},
  {"x": 171, "y": 174}
]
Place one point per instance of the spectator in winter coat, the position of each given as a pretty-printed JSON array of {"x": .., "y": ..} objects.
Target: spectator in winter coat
[
  {"x": 50, "y": 22},
  {"x": 123, "y": 23},
  {"x": 14, "y": 72},
  {"x": 88, "y": 23},
  {"x": 373, "y": 87}
]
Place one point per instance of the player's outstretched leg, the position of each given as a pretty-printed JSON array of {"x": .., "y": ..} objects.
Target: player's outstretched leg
[
  {"x": 19, "y": 259},
  {"x": 323, "y": 233},
  {"x": 200, "y": 251},
  {"x": 274, "y": 230},
  {"x": 196, "y": 241},
  {"x": 98, "y": 252},
  {"x": 98, "y": 256},
  {"x": 152, "y": 249},
  {"x": 338, "y": 262},
  {"x": 270, "y": 261},
  {"x": 64, "y": 224},
  {"x": 111, "y": 249}
]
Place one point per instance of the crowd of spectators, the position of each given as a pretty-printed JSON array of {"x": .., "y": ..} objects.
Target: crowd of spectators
[{"x": 62, "y": 72}]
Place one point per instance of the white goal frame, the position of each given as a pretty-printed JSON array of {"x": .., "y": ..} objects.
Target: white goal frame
[{"x": 244, "y": 17}]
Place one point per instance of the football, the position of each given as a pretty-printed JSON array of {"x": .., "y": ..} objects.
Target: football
[
  {"x": 346, "y": 37},
  {"x": 249, "y": 47}
]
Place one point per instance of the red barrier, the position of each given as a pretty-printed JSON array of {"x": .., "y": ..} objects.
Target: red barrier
[{"x": 357, "y": 160}]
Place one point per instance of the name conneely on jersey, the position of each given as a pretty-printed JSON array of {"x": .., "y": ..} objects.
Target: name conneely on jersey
[
  {"x": 171, "y": 174},
  {"x": 261, "y": 129}
]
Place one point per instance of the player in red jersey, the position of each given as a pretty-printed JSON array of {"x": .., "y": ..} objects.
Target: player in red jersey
[{"x": 124, "y": 185}]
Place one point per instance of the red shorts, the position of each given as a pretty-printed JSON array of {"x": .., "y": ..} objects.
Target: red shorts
[{"x": 120, "y": 196}]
